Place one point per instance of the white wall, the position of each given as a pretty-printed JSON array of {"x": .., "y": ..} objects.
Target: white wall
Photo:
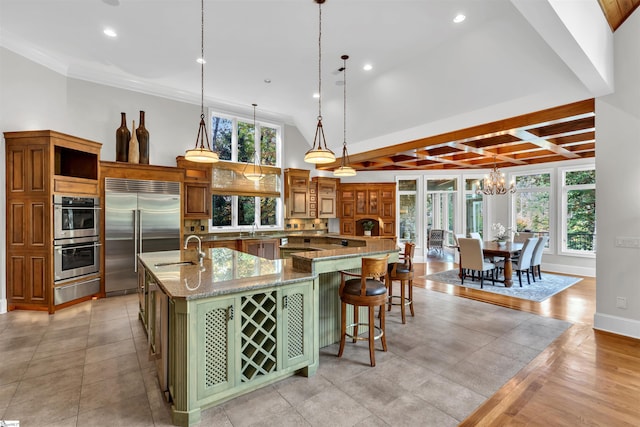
[{"x": 618, "y": 187}]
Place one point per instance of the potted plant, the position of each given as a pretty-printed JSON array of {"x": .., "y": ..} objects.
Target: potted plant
[{"x": 367, "y": 226}]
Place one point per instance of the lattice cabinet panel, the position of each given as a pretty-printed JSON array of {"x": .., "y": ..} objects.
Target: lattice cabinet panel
[
  {"x": 215, "y": 346},
  {"x": 258, "y": 335},
  {"x": 297, "y": 326}
]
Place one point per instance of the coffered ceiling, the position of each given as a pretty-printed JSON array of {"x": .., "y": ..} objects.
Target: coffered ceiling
[{"x": 561, "y": 133}]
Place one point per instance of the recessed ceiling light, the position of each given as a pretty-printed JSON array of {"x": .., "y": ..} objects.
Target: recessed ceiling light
[
  {"x": 316, "y": 95},
  {"x": 110, "y": 32},
  {"x": 267, "y": 80},
  {"x": 459, "y": 18},
  {"x": 201, "y": 61},
  {"x": 367, "y": 67}
]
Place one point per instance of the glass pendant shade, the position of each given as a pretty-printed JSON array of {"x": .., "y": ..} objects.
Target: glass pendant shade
[
  {"x": 202, "y": 153},
  {"x": 253, "y": 171},
  {"x": 344, "y": 169},
  {"x": 319, "y": 153}
]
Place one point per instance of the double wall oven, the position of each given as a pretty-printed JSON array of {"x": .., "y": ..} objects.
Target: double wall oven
[{"x": 76, "y": 247}]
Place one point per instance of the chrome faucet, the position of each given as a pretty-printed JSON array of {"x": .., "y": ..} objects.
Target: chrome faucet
[
  {"x": 253, "y": 229},
  {"x": 200, "y": 253}
]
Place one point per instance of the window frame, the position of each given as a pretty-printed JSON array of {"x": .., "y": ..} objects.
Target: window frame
[
  {"x": 235, "y": 209},
  {"x": 552, "y": 201},
  {"x": 563, "y": 214}
]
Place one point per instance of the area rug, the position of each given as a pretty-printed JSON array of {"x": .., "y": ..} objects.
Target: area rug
[{"x": 539, "y": 291}]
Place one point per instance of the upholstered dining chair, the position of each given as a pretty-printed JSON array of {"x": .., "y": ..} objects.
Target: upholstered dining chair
[
  {"x": 435, "y": 240},
  {"x": 523, "y": 262},
  {"x": 367, "y": 289},
  {"x": 402, "y": 271},
  {"x": 472, "y": 259},
  {"x": 536, "y": 258}
]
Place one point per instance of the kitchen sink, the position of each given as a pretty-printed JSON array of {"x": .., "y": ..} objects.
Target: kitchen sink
[{"x": 164, "y": 264}]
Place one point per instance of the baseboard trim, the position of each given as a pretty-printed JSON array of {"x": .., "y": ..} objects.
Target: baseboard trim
[
  {"x": 569, "y": 269},
  {"x": 617, "y": 325},
  {"x": 3, "y": 305}
]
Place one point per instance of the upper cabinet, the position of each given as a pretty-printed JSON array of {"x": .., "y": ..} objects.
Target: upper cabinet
[
  {"x": 367, "y": 201},
  {"x": 326, "y": 189},
  {"x": 197, "y": 189},
  {"x": 297, "y": 195}
]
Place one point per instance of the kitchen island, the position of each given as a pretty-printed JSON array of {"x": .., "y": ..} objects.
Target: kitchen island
[{"x": 239, "y": 322}]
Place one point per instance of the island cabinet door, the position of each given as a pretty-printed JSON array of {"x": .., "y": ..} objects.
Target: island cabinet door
[
  {"x": 215, "y": 346},
  {"x": 296, "y": 325}
]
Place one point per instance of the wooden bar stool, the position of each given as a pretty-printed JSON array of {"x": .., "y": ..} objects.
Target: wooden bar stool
[
  {"x": 367, "y": 290},
  {"x": 402, "y": 271}
]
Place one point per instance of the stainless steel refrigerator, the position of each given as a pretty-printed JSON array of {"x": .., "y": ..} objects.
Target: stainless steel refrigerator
[{"x": 140, "y": 216}]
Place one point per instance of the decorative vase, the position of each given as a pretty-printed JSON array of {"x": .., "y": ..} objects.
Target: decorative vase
[
  {"x": 134, "y": 149},
  {"x": 367, "y": 232},
  {"x": 142, "y": 134},
  {"x": 122, "y": 140},
  {"x": 501, "y": 243}
]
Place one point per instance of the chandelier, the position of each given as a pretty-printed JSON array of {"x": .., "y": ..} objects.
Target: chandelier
[
  {"x": 494, "y": 183},
  {"x": 319, "y": 153},
  {"x": 201, "y": 153},
  {"x": 344, "y": 169},
  {"x": 253, "y": 171}
]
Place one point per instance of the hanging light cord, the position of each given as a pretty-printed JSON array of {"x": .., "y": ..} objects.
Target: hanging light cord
[
  {"x": 203, "y": 127},
  {"x": 345, "y": 155},
  {"x": 319, "y": 61}
]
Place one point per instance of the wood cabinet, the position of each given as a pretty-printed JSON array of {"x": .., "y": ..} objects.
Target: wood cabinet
[
  {"x": 297, "y": 197},
  {"x": 372, "y": 201},
  {"x": 326, "y": 189},
  {"x": 40, "y": 164},
  {"x": 263, "y": 248},
  {"x": 196, "y": 189}
]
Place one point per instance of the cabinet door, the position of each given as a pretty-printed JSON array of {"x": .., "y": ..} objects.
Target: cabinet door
[
  {"x": 347, "y": 227},
  {"x": 389, "y": 228},
  {"x": 361, "y": 202},
  {"x": 297, "y": 325},
  {"x": 372, "y": 202},
  {"x": 253, "y": 247},
  {"x": 348, "y": 210},
  {"x": 27, "y": 279},
  {"x": 299, "y": 200},
  {"x": 388, "y": 209},
  {"x": 271, "y": 249},
  {"x": 215, "y": 346},
  {"x": 197, "y": 201},
  {"x": 327, "y": 206}
]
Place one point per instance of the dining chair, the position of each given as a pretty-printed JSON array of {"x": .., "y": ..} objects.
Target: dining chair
[
  {"x": 367, "y": 289},
  {"x": 522, "y": 236},
  {"x": 523, "y": 262},
  {"x": 402, "y": 271},
  {"x": 435, "y": 240},
  {"x": 472, "y": 259},
  {"x": 536, "y": 258}
]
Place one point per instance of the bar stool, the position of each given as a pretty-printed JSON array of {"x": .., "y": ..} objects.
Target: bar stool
[
  {"x": 402, "y": 271},
  {"x": 367, "y": 290}
]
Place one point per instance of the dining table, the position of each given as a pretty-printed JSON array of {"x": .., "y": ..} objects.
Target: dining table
[{"x": 506, "y": 250}]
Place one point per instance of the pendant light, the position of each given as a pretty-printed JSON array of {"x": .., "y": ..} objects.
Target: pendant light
[
  {"x": 319, "y": 153},
  {"x": 201, "y": 153},
  {"x": 344, "y": 169},
  {"x": 253, "y": 171}
]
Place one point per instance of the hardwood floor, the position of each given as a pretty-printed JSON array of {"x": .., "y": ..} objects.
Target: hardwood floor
[{"x": 585, "y": 377}]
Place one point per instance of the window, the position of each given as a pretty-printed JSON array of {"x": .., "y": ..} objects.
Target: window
[
  {"x": 248, "y": 205},
  {"x": 440, "y": 206},
  {"x": 407, "y": 193},
  {"x": 233, "y": 138},
  {"x": 532, "y": 202},
  {"x": 474, "y": 218},
  {"x": 579, "y": 211}
]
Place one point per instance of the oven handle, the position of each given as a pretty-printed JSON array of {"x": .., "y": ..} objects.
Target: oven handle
[
  {"x": 92, "y": 245},
  {"x": 95, "y": 208}
]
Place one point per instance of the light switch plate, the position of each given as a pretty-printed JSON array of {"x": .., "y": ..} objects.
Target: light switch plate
[{"x": 628, "y": 242}]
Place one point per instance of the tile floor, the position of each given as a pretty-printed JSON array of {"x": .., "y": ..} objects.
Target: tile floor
[{"x": 87, "y": 366}]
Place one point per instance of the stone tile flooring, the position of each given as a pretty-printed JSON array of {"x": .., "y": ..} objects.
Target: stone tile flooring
[{"x": 87, "y": 366}]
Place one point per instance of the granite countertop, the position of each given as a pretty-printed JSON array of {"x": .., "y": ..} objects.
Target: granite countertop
[{"x": 224, "y": 271}]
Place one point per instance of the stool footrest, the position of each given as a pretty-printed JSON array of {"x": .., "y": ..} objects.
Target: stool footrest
[
  {"x": 407, "y": 301},
  {"x": 358, "y": 337}
]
